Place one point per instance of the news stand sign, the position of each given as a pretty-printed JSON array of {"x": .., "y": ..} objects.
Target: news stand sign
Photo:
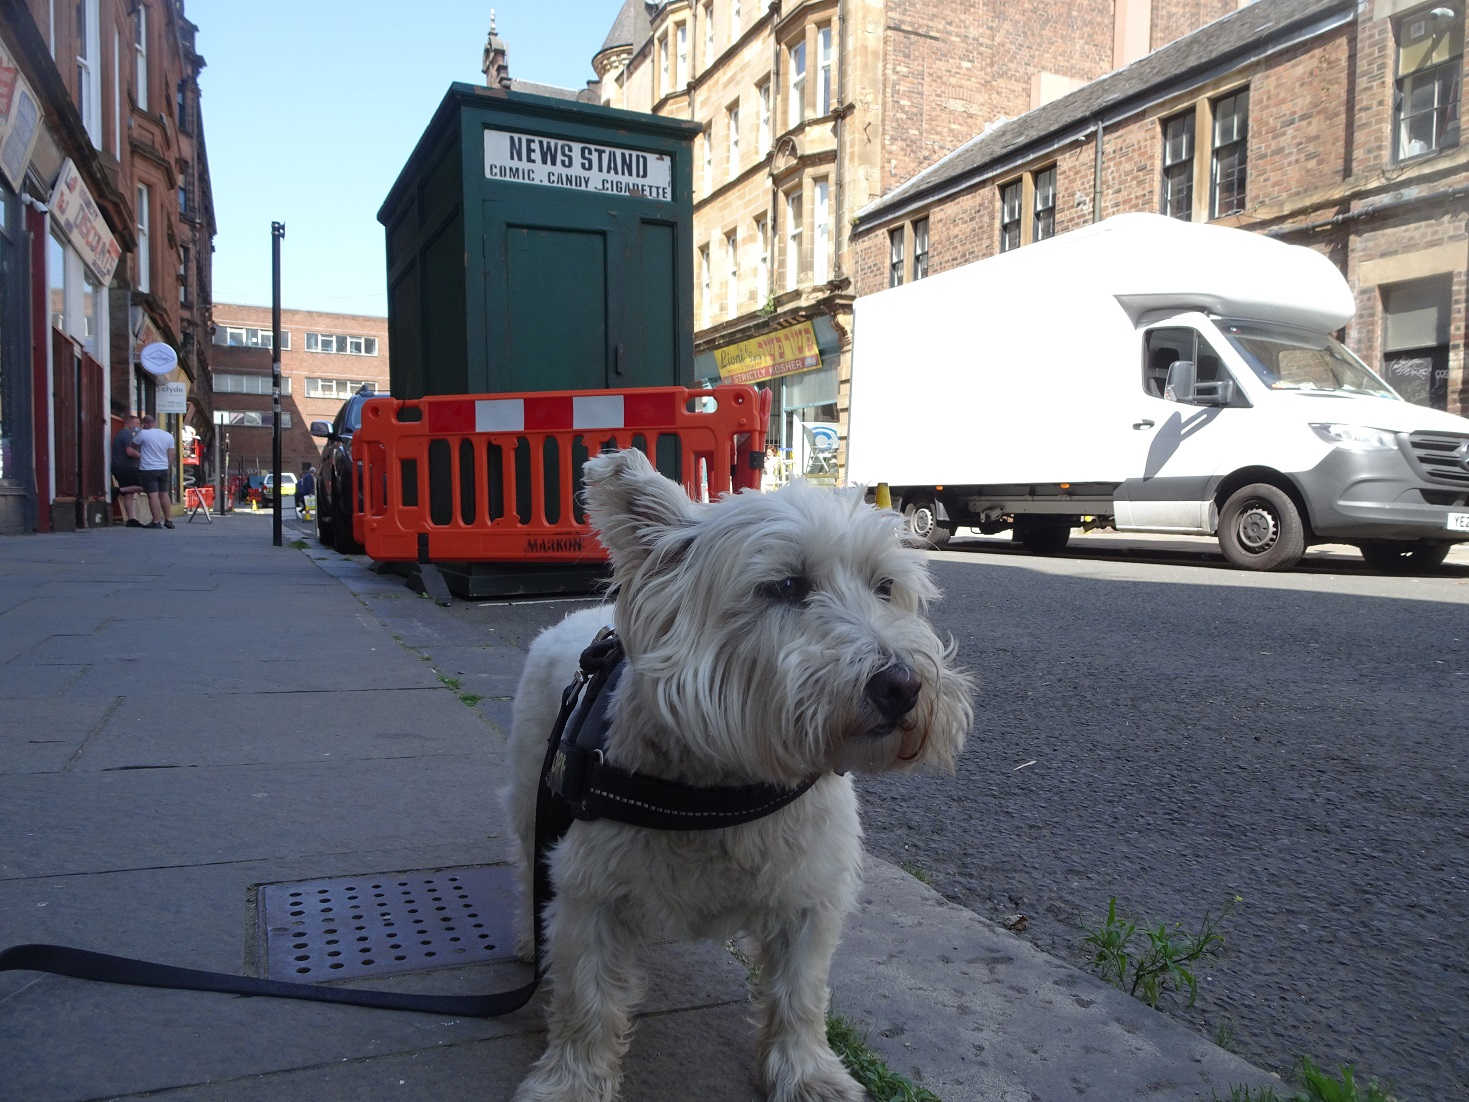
[{"x": 579, "y": 166}]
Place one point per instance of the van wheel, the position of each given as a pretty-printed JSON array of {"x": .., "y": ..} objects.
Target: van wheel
[
  {"x": 1041, "y": 537},
  {"x": 1260, "y": 528},
  {"x": 1399, "y": 558},
  {"x": 924, "y": 525}
]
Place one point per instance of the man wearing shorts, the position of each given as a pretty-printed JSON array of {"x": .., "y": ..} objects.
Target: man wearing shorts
[
  {"x": 155, "y": 457},
  {"x": 125, "y": 468}
]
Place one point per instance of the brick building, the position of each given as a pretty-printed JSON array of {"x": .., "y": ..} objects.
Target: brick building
[
  {"x": 106, "y": 230},
  {"x": 811, "y": 110},
  {"x": 325, "y": 358},
  {"x": 1321, "y": 122}
]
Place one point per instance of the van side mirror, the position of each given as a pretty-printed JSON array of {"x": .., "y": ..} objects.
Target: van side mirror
[
  {"x": 1219, "y": 392},
  {"x": 1180, "y": 384},
  {"x": 321, "y": 428}
]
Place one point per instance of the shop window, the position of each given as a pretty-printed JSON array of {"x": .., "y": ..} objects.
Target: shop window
[
  {"x": 1430, "y": 59},
  {"x": 1178, "y": 166},
  {"x": 1415, "y": 340},
  {"x": 1231, "y": 147}
]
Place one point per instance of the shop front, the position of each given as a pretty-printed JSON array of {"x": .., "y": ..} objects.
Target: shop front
[{"x": 798, "y": 364}]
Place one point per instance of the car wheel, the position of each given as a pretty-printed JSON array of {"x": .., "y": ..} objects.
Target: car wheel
[
  {"x": 1040, "y": 537},
  {"x": 323, "y": 524},
  {"x": 1403, "y": 558},
  {"x": 923, "y": 523},
  {"x": 1260, "y": 528},
  {"x": 342, "y": 523}
]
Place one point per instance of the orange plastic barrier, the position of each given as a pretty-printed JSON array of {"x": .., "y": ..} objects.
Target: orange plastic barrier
[{"x": 496, "y": 477}]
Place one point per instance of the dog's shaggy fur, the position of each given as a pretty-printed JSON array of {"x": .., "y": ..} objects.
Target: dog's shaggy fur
[{"x": 769, "y": 637}]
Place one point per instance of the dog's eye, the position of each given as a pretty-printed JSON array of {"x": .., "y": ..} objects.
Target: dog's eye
[
  {"x": 792, "y": 590},
  {"x": 884, "y": 589}
]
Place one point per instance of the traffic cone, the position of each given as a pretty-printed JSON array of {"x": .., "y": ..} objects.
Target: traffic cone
[{"x": 883, "y": 496}]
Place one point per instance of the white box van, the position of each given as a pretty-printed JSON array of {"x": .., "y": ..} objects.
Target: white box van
[{"x": 1167, "y": 376}]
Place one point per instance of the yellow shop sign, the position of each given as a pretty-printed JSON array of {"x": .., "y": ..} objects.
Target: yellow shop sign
[{"x": 783, "y": 352}]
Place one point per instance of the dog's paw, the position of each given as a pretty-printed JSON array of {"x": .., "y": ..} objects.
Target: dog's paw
[{"x": 828, "y": 1081}]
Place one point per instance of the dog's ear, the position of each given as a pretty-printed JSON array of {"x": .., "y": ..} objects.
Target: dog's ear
[{"x": 632, "y": 506}]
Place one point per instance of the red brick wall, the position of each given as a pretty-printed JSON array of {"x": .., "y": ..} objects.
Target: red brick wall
[
  {"x": 951, "y": 69},
  {"x": 1173, "y": 19}
]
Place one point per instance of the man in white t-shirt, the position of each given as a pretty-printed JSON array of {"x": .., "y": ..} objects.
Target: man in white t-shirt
[{"x": 155, "y": 458}]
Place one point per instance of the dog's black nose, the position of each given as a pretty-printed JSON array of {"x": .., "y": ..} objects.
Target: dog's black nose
[{"x": 893, "y": 691}]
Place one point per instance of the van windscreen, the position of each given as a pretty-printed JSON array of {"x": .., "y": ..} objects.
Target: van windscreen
[{"x": 1294, "y": 359}]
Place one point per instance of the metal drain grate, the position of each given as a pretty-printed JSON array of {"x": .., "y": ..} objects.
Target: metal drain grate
[{"x": 388, "y": 922}]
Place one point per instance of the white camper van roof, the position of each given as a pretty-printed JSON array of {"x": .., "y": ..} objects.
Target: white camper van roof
[{"x": 1151, "y": 262}]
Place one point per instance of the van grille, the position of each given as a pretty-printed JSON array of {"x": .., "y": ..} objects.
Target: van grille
[{"x": 1439, "y": 456}]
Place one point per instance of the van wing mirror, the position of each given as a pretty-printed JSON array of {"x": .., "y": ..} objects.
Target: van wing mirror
[
  {"x": 1180, "y": 384},
  {"x": 1219, "y": 392}
]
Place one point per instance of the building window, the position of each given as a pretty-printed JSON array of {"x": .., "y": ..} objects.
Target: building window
[
  {"x": 1231, "y": 141},
  {"x": 144, "y": 221},
  {"x": 665, "y": 82},
  {"x": 681, "y": 34},
  {"x": 796, "y": 93},
  {"x": 762, "y": 261},
  {"x": 1010, "y": 196},
  {"x": 1178, "y": 166},
  {"x": 1429, "y": 66},
  {"x": 1416, "y": 316},
  {"x": 250, "y": 418},
  {"x": 334, "y": 388},
  {"x": 706, "y": 290},
  {"x": 732, "y": 120},
  {"x": 229, "y": 382},
  {"x": 89, "y": 69},
  {"x": 824, "y": 92},
  {"x": 341, "y": 344},
  {"x": 734, "y": 20},
  {"x": 708, "y": 158},
  {"x": 732, "y": 275},
  {"x": 246, "y": 336},
  {"x": 709, "y": 34},
  {"x": 184, "y": 190},
  {"x": 895, "y": 257},
  {"x": 140, "y": 55},
  {"x": 920, "y": 248},
  {"x": 821, "y": 232},
  {"x": 793, "y": 239},
  {"x": 763, "y": 91},
  {"x": 185, "y": 257},
  {"x": 1044, "y": 224}
]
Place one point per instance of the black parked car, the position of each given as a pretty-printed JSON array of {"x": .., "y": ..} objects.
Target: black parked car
[{"x": 334, "y": 489}]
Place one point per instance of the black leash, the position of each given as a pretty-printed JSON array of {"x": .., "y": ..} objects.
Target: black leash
[{"x": 576, "y": 782}]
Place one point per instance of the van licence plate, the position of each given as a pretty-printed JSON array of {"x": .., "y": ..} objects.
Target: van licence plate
[{"x": 1458, "y": 522}]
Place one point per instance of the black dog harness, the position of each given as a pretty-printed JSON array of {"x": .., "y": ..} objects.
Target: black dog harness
[{"x": 576, "y": 782}]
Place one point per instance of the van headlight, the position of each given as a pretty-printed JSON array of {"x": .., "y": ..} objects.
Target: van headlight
[{"x": 1357, "y": 437}]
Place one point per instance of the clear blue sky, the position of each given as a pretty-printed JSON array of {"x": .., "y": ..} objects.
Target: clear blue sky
[{"x": 311, "y": 107}]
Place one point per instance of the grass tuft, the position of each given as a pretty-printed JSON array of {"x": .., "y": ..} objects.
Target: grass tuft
[{"x": 867, "y": 1067}]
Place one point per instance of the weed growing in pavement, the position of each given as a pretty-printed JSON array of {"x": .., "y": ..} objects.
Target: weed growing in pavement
[
  {"x": 299, "y": 545},
  {"x": 867, "y": 1067},
  {"x": 1316, "y": 1085},
  {"x": 916, "y": 873},
  {"x": 470, "y": 699},
  {"x": 450, "y": 682},
  {"x": 1163, "y": 963}
]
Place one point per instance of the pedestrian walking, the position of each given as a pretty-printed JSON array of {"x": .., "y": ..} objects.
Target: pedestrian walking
[
  {"x": 125, "y": 469},
  {"x": 305, "y": 488},
  {"x": 155, "y": 458}
]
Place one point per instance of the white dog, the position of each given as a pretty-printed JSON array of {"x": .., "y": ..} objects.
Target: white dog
[{"x": 769, "y": 638}]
